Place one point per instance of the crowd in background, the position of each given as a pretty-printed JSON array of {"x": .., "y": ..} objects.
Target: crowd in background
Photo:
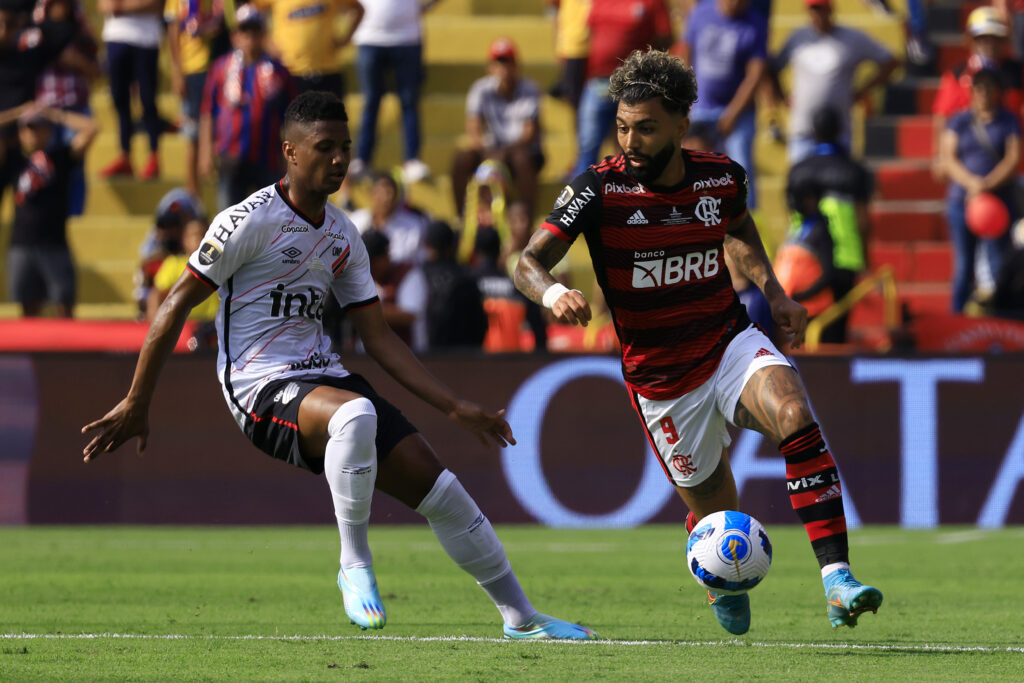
[{"x": 234, "y": 67}]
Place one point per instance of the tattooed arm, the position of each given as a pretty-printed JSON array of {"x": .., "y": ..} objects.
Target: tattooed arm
[
  {"x": 533, "y": 278},
  {"x": 744, "y": 245}
]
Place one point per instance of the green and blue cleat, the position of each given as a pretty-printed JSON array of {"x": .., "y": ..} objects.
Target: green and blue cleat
[
  {"x": 543, "y": 627},
  {"x": 363, "y": 605},
  {"x": 732, "y": 611},
  {"x": 848, "y": 598}
]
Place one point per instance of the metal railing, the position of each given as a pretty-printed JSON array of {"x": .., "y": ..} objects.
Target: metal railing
[{"x": 885, "y": 278}]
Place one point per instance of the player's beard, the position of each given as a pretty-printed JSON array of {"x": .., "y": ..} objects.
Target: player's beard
[{"x": 645, "y": 175}]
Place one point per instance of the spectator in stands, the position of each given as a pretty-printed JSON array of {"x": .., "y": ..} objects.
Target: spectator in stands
[
  {"x": 39, "y": 262},
  {"x": 572, "y": 44},
  {"x": 726, "y": 44},
  {"x": 25, "y": 50},
  {"x": 845, "y": 187},
  {"x": 443, "y": 297},
  {"x": 171, "y": 269},
  {"x": 246, "y": 94},
  {"x": 616, "y": 29},
  {"x": 404, "y": 226},
  {"x": 174, "y": 210},
  {"x": 803, "y": 263},
  {"x": 191, "y": 29},
  {"x": 303, "y": 37},
  {"x": 65, "y": 83},
  {"x": 506, "y": 308},
  {"x": 502, "y": 123},
  {"x": 390, "y": 41},
  {"x": 386, "y": 277},
  {"x": 986, "y": 32},
  {"x": 1008, "y": 300},
  {"x": 981, "y": 150},
  {"x": 824, "y": 58},
  {"x": 132, "y": 30}
]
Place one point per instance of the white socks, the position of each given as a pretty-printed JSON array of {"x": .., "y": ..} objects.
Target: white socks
[
  {"x": 468, "y": 538},
  {"x": 350, "y": 465}
]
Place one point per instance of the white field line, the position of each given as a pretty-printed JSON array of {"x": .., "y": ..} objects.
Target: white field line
[{"x": 473, "y": 639}]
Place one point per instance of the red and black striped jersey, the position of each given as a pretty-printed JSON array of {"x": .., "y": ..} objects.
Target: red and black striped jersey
[{"x": 658, "y": 256}]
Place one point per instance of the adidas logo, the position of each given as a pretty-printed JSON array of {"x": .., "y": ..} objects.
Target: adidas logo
[
  {"x": 763, "y": 352},
  {"x": 833, "y": 492},
  {"x": 637, "y": 218}
]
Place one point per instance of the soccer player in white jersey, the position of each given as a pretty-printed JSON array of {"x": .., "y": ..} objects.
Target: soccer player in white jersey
[{"x": 273, "y": 258}]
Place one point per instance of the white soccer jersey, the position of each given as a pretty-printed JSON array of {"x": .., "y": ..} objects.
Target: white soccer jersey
[{"x": 273, "y": 267}]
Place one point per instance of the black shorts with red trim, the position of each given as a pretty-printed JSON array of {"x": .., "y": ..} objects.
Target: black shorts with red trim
[{"x": 273, "y": 424}]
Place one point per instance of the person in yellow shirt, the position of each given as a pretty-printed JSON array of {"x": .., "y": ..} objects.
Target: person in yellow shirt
[
  {"x": 192, "y": 25},
  {"x": 303, "y": 37},
  {"x": 171, "y": 269},
  {"x": 572, "y": 45}
]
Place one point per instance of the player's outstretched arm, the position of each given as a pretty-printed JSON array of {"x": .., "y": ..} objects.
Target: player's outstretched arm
[
  {"x": 744, "y": 245},
  {"x": 533, "y": 278},
  {"x": 129, "y": 418},
  {"x": 392, "y": 354}
]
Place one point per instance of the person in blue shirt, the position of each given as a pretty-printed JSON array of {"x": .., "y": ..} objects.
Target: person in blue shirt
[
  {"x": 980, "y": 152},
  {"x": 726, "y": 44}
]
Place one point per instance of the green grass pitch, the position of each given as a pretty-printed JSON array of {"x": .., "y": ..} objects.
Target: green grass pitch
[{"x": 253, "y": 603}]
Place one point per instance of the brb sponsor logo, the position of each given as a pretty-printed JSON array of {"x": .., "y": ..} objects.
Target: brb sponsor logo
[
  {"x": 657, "y": 271},
  {"x": 710, "y": 183},
  {"x": 308, "y": 304}
]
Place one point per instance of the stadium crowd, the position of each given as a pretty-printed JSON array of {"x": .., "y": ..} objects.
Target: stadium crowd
[{"x": 234, "y": 68}]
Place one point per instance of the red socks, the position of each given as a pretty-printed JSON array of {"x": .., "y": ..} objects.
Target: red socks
[{"x": 816, "y": 494}]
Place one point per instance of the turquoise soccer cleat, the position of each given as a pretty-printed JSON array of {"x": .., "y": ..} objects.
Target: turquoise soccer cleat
[
  {"x": 732, "y": 611},
  {"x": 543, "y": 627},
  {"x": 848, "y": 598},
  {"x": 363, "y": 605}
]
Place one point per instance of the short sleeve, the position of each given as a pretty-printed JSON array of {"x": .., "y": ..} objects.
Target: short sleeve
[
  {"x": 781, "y": 59},
  {"x": 171, "y": 11},
  {"x": 225, "y": 248},
  {"x": 577, "y": 207},
  {"x": 353, "y": 287},
  {"x": 868, "y": 49},
  {"x": 475, "y": 98},
  {"x": 759, "y": 44},
  {"x": 742, "y": 191}
]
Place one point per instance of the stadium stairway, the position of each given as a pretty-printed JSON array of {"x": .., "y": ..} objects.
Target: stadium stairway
[
  {"x": 908, "y": 217},
  {"x": 457, "y": 33}
]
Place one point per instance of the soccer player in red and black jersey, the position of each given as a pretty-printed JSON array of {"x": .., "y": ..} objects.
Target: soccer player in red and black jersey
[{"x": 657, "y": 220}]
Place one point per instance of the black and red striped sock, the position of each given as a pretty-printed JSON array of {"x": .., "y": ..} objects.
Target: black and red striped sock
[
  {"x": 691, "y": 522},
  {"x": 816, "y": 494}
]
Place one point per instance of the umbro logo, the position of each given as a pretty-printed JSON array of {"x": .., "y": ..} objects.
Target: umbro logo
[
  {"x": 291, "y": 252},
  {"x": 637, "y": 218}
]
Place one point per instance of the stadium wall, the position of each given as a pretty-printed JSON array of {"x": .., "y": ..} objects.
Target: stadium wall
[{"x": 919, "y": 441}]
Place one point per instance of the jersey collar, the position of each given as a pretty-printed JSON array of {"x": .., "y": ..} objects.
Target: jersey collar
[{"x": 318, "y": 223}]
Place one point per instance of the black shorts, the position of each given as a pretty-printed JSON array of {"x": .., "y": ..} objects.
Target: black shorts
[{"x": 273, "y": 425}]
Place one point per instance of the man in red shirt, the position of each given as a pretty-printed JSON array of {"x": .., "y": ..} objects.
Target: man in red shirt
[
  {"x": 987, "y": 32},
  {"x": 617, "y": 27},
  {"x": 657, "y": 220}
]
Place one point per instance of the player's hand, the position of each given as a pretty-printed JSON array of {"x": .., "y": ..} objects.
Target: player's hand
[
  {"x": 572, "y": 308},
  {"x": 124, "y": 421},
  {"x": 473, "y": 418},
  {"x": 791, "y": 318}
]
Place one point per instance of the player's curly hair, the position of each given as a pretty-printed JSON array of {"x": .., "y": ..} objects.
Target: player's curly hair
[
  {"x": 315, "y": 105},
  {"x": 645, "y": 75}
]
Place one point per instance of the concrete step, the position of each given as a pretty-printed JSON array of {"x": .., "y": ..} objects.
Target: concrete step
[
  {"x": 906, "y": 180},
  {"x": 97, "y": 238},
  {"x": 901, "y": 221},
  {"x": 911, "y": 96},
  {"x": 903, "y": 137},
  {"x": 917, "y": 261}
]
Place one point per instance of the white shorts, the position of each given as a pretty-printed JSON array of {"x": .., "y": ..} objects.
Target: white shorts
[{"x": 688, "y": 433}]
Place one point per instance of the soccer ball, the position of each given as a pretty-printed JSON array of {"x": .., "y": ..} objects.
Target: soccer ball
[{"x": 729, "y": 552}]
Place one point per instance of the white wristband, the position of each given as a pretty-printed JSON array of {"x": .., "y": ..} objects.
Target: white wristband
[{"x": 552, "y": 294}]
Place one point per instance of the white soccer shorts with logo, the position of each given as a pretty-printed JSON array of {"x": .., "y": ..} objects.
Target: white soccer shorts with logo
[{"x": 688, "y": 433}]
